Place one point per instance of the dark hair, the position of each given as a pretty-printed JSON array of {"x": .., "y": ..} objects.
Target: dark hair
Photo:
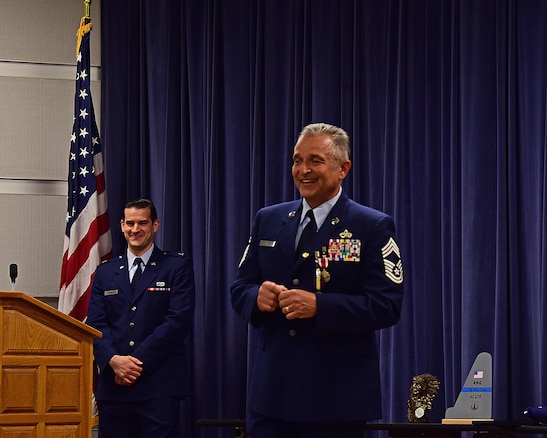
[{"x": 143, "y": 203}]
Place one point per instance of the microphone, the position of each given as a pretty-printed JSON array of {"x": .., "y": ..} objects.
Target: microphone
[{"x": 13, "y": 274}]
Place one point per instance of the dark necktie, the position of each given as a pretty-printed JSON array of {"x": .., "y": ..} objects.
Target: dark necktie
[
  {"x": 308, "y": 233},
  {"x": 138, "y": 273}
]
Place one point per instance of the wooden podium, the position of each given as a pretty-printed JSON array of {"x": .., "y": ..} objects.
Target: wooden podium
[{"x": 47, "y": 370}]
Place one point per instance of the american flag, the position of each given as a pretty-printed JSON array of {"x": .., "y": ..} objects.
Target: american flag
[{"x": 87, "y": 237}]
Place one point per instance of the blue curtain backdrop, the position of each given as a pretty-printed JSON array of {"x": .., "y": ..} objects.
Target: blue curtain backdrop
[{"x": 445, "y": 103}]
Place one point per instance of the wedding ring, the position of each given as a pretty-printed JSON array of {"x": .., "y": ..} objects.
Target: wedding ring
[{"x": 287, "y": 309}]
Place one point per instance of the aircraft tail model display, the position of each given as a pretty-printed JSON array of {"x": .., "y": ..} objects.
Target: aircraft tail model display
[{"x": 475, "y": 400}]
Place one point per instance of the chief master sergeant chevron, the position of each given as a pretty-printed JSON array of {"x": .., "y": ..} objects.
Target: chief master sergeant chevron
[
  {"x": 141, "y": 356},
  {"x": 315, "y": 306}
]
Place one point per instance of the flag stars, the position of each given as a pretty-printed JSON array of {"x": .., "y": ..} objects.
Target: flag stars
[
  {"x": 73, "y": 138},
  {"x": 83, "y": 75},
  {"x": 84, "y": 191},
  {"x": 84, "y": 171},
  {"x": 72, "y": 156},
  {"x": 83, "y": 133},
  {"x": 83, "y": 113},
  {"x": 83, "y": 94},
  {"x": 70, "y": 213},
  {"x": 83, "y": 152}
]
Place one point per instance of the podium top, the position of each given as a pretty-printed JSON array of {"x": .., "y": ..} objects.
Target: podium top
[{"x": 21, "y": 299}]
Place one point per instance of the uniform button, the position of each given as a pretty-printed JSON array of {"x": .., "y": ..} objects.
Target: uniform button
[
  {"x": 133, "y": 308},
  {"x": 131, "y": 343},
  {"x": 292, "y": 332},
  {"x": 131, "y": 324},
  {"x": 296, "y": 282}
]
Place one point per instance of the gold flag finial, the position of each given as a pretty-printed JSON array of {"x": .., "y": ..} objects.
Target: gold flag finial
[
  {"x": 87, "y": 8},
  {"x": 85, "y": 25}
]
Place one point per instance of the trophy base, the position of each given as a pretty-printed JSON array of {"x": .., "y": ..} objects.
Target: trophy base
[{"x": 464, "y": 420}]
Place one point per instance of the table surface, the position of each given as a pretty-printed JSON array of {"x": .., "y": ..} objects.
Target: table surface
[{"x": 476, "y": 426}]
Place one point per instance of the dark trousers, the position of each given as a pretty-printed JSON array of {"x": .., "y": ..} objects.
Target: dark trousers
[
  {"x": 259, "y": 426},
  {"x": 158, "y": 418}
]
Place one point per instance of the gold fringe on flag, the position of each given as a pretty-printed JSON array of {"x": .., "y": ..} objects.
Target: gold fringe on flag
[{"x": 85, "y": 27}]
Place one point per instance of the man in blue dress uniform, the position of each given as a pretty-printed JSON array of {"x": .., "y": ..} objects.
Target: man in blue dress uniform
[
  {"x": 143, "y": 303},
  {"x": 316, "y": 301}
]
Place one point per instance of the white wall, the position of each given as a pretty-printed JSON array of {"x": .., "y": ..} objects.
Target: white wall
[{"x": 37, "y": 86}]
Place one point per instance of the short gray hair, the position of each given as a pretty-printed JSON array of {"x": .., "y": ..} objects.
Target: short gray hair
[{"x": 340, "y": 139}]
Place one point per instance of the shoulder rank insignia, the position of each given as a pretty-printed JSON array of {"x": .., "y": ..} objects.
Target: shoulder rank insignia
[{"x": 393, "y": 265}]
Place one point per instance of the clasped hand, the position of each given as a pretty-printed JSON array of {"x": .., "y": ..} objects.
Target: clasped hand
[
  {"x": 127, "y": 369},
  {"x": 294, "y": 303}
]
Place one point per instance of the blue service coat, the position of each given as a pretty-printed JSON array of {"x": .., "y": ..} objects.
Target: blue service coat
[
  {"x": 324, "y": 368},
  {"x": 151, "y": 325}
]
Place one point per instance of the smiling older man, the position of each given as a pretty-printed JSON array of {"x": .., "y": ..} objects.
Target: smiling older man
[{"x": 319, "y": 276}]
